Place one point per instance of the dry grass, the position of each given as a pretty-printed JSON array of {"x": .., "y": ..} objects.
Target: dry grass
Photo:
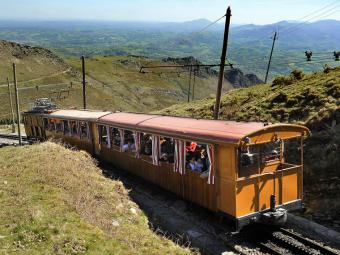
[{"x": 55, "y": 201}]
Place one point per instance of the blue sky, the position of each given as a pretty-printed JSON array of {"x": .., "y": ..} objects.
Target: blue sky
[{"x": 244, "y": 11}]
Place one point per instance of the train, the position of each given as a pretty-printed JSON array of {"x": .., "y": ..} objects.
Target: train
[{"x": 247, "y": 172}]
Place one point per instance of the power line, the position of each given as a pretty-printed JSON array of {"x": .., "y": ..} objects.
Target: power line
[
  {"x": 178, "y": 66},
  {"x": 206, "y": 27},
  {"x": 310, "y": 14},
  {"x": 320, "y": 15}
]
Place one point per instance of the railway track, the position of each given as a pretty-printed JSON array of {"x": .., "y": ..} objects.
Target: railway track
[
  {"x": 282, "y": 241},
  {"x": 10, "y": 139}
]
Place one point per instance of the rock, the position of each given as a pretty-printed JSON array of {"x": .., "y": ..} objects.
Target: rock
[
  {"x": 5, "y": 182},
  {"x": 239, "y": 80},
  {"x": 133, "y": 211},
  {"x": 115, "y": 223},
  {"x": 194, "y": 234}
]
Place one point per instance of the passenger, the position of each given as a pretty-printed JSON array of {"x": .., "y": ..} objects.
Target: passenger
[
  {"x": 167, "y": 149},
  {"x": 117, "y": 139},
  {"x": 129, "y": 146},
  {"x": 148, "y": 146},
  {"x": 199, "y": 165},
  {"x": 191, "y": 165},
  {"x": 204, "y": 158}
]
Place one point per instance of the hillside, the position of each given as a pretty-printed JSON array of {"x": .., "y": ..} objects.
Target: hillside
[
  {"x": 312, "y": 100},
  {"x": 114, "y": 82},
  {"x": 249, "y": 46},
  {"x": 68, "y": 208}
]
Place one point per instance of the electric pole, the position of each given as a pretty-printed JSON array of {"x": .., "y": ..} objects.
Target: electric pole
[
  {"x": 270, "y": 58},
  {"x": 17, "y": 102},
  {"x": 84, "y": 81},
  {"x": 189, "y": 89},
  {"x": 223, "y": 59},
  {"x": 193, "y": 86},
  {"x": 11, "y": 104}
]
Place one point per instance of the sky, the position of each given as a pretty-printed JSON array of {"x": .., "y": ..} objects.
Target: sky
[{"x": 244, "y": 11}]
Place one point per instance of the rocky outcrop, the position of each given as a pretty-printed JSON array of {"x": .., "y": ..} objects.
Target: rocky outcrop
[
  {"x": 20, "y": 51},
  {"x": 234, "y": 76},
  {"x": 240, "y": 80}
]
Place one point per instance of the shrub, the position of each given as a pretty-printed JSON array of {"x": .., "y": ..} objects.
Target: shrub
[
  {"x": 282, "y": 80},
  {"x": 297, "y": 74}
]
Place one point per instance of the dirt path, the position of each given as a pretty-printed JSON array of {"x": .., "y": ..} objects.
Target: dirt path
[{"x": 42, "y": 77}]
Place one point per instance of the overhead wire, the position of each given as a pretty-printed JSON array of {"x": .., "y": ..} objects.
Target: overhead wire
[
  {"x": 299, "y": 25},
  {"x": 206, "y": 27},
  {"x": 310, "y": 14}
]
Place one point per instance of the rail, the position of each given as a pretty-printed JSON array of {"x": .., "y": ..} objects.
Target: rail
[{"x": 282, "y": 241}]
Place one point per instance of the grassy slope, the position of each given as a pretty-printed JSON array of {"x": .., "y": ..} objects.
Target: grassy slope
[
  {"x": 114, "y": 82},
  {"x": 68, "y": 207},
  {"x": 134, "y": 91},
  {"x": 313, "y": 101}
]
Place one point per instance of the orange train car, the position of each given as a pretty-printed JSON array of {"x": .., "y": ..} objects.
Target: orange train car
[{"x": 246, "y": 171}]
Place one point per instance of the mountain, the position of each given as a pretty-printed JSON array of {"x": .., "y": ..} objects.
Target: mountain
[
  {"x": 114, "y": 82},
  {"x": 32, "y": 62},
  {"x": 249, "y": 45},
  {"x": 311, "y": 100}
]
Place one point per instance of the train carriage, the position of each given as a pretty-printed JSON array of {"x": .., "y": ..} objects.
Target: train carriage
[{"x": 250, "y": 171}]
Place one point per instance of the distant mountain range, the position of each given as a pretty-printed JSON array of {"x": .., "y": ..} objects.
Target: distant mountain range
[{"x": 249, "y": 45}]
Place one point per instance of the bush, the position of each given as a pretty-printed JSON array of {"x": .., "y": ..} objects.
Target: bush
[
  {"x": 297, "y": 74},
  {"x": 282, "y": 80}
]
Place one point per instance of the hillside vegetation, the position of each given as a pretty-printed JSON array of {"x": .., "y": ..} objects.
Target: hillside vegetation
[
  {"x": 114, "y": 83},
  {"x": 312, "y": 100},
  {"x": 55, "y": 201}
]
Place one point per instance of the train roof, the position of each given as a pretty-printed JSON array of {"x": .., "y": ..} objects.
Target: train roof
[
  {"x": 218, "y": 131},
  {"x": 78, "y": 114}
]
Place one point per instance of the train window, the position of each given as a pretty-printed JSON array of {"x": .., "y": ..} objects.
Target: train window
[
  {"x": 45, "y": 123},
  {"x": 292, "y": 151},
  {"x": 115, "y": 137},
  {"x": 249, "y": 160},
  {"x": 73, "y": 128},
  {"x": 197, "y": 159},
  {"x": 66, "y": 127},
  {"x": 270, "y": 152},
  {"x": 51, "y": 125},
  {"x": 59, "y": 126},
  {"x": 146, "y": 144},
  {"x": 103, "y": 134},
  {"x": 128, "y": 142},
  {"x": 84, "y": 132},
  {"x": 167, "y": 150}
]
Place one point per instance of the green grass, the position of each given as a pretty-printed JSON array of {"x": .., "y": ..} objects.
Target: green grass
[
  {"x": 114, "y": 83},
  {"x": 303, "y": 101},
  {"x": 55, "y": 201}
]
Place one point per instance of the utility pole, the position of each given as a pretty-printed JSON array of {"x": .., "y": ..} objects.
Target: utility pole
[
  {"x": 223, "y": 58},
  {"x": 193, "y": 85},
  {"x": 17, "y": 102},
  {"x": 189, "y": 89},
  {"x": 84, "y": 81},
  {"x": 270, "y": 58},
  {"x": 11, "y": 104}
]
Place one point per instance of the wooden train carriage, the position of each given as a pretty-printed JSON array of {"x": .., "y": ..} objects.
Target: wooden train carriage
[
  {"x": 75, "y": 127},
  {"x": 248, "y": 162},
  {"x": 34, "y": 126}
]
